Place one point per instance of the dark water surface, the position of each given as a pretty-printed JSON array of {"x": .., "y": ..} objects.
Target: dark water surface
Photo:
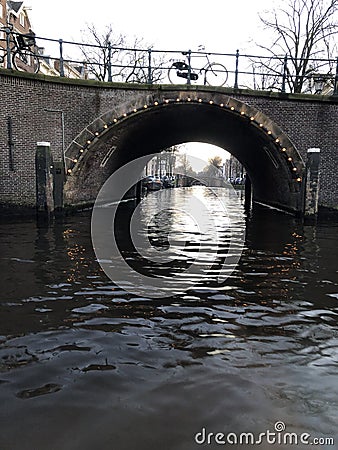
[{"x": 85, "y": 365}]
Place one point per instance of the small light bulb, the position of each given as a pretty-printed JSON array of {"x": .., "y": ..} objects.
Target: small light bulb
[
  {"x": 96, "y": 133},
  {"x": 135, "y": 110},
  {"x": 69, "y": 170},
  {"x": 269, "y": 132},
  {"x": 261, "y": 125},
  {"x": 232, "y": 108},
  {"x": 105, "y": 126},
  {"x": 211, "y": 102},
  {"x": 283, "y": 149},
  {"x": 125, "y": 115},
  {"x": 295, "y": 169},
  {"x": 81, "y": 151},
  {"x": 200, "y": 100},
  {"x": 252, "y": 118},
  {"x": 189, "y": 99},
  {"x": 88, "y": 142},
  {"x": 242, "y": 113},
  {"x": 75, "y": 160},
  {"x": 156, "y": 103},
  {"x": 115, "y": 120},
  {"x": 145, "y": 106},
  {"x": 299, "y": 179},
  {"x": 277, "y": 140},
  {"x": 289, "y": 158}
]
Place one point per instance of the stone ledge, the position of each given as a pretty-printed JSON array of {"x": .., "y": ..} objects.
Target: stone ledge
[{"x": 167, "y": 87}]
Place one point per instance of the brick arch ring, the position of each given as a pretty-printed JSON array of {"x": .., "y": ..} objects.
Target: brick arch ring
[{"x": 142, "y": 103}]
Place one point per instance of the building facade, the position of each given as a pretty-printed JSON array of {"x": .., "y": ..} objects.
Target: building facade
[{"x": 14, "y": 16}]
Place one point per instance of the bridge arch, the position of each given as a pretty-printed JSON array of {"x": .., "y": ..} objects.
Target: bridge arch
[{"x": 152, "y": 122}]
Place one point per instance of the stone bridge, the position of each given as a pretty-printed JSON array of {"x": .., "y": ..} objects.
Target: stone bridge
[{"x": 96, "y": 127}]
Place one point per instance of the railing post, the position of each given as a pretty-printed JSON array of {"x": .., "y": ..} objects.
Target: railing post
[
  {"x": 110, "y": 78},
  {"x": 150, "y": 78},
  {"x": 8, "y": 48},
  {"x": 285, "y": 67},
  {"x": 236, "y": 70},
  {"x": 62, "y": 68},
  {"x": 335, "y": 88},
  {"x": 189, "y": 67}
]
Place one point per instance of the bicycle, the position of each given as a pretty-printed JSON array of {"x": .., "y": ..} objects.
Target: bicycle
[
  {"x": 18, "y": 47},
  {"x": 215, "y": 74}
]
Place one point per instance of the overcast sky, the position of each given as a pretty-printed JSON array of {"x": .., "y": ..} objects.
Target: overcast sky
[{"x": 220, "y": 25}]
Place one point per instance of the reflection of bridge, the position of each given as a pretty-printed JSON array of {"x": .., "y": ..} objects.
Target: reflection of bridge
[{"x": 100, "y": 126}]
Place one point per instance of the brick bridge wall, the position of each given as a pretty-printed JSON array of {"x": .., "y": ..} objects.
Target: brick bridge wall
[{"x": 33, "y": 104}]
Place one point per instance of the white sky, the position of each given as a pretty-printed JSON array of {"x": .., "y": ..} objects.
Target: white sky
[{"x": 220, "y": 25}]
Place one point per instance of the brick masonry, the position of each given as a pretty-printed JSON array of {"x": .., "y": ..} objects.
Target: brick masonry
[{"x": 308, "y": 122}]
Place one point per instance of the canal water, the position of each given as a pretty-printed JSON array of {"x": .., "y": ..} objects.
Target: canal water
[{"x": 84, "y": 364}]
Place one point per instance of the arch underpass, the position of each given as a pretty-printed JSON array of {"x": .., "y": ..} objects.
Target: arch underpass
[{"x": 152, "y": 122}]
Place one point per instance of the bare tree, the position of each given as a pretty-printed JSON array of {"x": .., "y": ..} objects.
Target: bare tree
[
  {"x": 266, "y": 74},
  {"x": 214, "y": 166},
  {"x": 106, "y": 53},
  {"x": 96, "y": 53},
  {"x": 305, "y": 31},
  {"x": 185, "y": 167}
]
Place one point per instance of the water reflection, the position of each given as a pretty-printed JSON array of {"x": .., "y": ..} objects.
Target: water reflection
[{"x": 97, "y": 367}]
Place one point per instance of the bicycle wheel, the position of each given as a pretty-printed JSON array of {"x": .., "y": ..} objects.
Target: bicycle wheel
[
  {"x": 2, "y": 56},
  {"x": 216, "y": 74},
  {"x": 25, "y": 61}
]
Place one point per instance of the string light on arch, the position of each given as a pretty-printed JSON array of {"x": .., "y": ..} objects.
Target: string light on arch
[{"x": 164, "y": 101}]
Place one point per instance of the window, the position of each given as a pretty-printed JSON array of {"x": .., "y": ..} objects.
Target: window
[{"x": 22, "y": 19}]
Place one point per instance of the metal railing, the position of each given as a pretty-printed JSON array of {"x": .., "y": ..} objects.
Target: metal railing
[{"x": 148, "y": 65}]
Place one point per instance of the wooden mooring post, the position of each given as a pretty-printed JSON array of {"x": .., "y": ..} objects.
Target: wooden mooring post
[
  {"x": 312, "y": 183},
  {"x": 44, "y": 174}
]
